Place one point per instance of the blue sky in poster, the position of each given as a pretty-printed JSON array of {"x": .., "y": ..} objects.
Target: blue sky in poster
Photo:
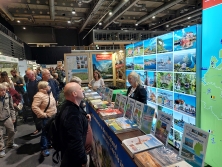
[
  {"x": 186, "y": 118},
  {"x": 166, "y": 110},
  {"x": 129, "y": 63},
  {"x": 138, "y": 60},
  {"x": 187, "y": 99},
  {"x": 151, "y": 43},
  {"x": 129, "y": 50},
  {"x": 185, "y": 38},
  {"x": 79, "y": 71},
  {"x": 141, "y": 73},
  {"x": 164, "y": 62},
  {"x": 103, "y": 65},
  {"x": 167, "y": 42},
  {"x": 150, "y": 62},
  {"x": 138, "y": 48},
  {"x": 169, "y": 94}
]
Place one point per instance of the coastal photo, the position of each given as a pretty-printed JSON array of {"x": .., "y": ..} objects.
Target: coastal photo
[
  {"x": 129, "y": 50},
  {"x": 185, "y": 83},
  {"x": 165, "y": 98},
  {"x": 141, "y": 74},
  {"x": 185, "y": 61},
  {"x": 185, "y": 38},
  {"x": 150, "y": 62},
  {"x": 150, "y": 46},
  {"x": 165, "y": 80},
  {"x": 165, "y": 43},
  {"x": 138, "y": 63},
  {"x": 151, "y": 94},
  {"x": 138, "y": 49},
  {"x": 180, "y": 119},
  {"x": 129, "y": 63},
  {"x": 185, "y": 104},
  {"x": 177, "y": 139},
  {"x": 164, "y": 62},
  {"x": 150, "y": 78},
  {"x": 165, "y": 110}
]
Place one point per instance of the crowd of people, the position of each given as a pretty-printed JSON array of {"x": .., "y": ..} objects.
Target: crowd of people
[{"x": 45, "y": 92}]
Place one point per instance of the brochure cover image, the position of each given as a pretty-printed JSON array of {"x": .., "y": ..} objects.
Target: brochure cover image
[
  {"x": 150, "y": 46},
  {"x": 171, "y": 137},
  {"x": 129, "y": 50},
  {"x": 129, "y": 108},
  {"x": 151, "y": 94},
  {"x": 117, "y": 101},
  {"x": 185, "y": 38},
  {"x": 150, "y": 62},
  {"x": 138, "y": 111},
  {"x": 194, "y": 145},
  {"x": 138, "y": 63},
  {"x": 138, "y": 49},
  {"x": 147, "y": 119},
  {"x": 185, "y": 83},
  {"x": 165, "y": 80},
  {"x": 150, "y": 78},
  {"x": 185, "y": 61},
  {"x": 165, "y": 43},
  {"x": 177, "y": 139},
  {"x": 129, "y": 63},
  {"x": 180, "y": 119},
  {"x": 165, "y": 98},
  {"x": 185, "y": 104},
  {"x": 164, "y": 62},
  {"x": 163, "y": 125}
]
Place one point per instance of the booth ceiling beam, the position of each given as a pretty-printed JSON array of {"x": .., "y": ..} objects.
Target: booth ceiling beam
[
  {"x": 120, "y": 12},
  {"x": 52, "y": 9},
  {"x": 6, "y": 12}
]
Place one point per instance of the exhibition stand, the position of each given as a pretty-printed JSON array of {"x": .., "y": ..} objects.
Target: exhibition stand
[{"x": 8, "y": 63}]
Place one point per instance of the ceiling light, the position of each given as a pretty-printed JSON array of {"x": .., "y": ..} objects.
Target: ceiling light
[
  {"x": 121, "y": 51},
  {"x": 100, "y": 23},
  {"x": 167, "y": 25},
  {"x": 0, "y": 53},
  {"x": 73, "y": 11},
  {"x": 24, "y": 28},
  {"x": 136, "y": 24},
  {"x": 188, "y": 17},
  {"x": 69, "y": 22},
  {"x": 110, "y": 13},
  {"x": 18, "y": 21},
  {"x": 153, "y": 17}
]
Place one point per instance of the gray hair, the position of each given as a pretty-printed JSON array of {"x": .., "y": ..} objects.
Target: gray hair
[
  {"x": 2, "y": 87},
  {"x": 76, "y": 80},
  {"x": 136, "y": 77},
  {"x": 42, "y": 84},
  {"x": 44, "y": 70}
]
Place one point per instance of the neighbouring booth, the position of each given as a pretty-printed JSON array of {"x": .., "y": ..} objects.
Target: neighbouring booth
[
  {"x": 26, "y": 65},
  {"x": 8, "y": 63}
]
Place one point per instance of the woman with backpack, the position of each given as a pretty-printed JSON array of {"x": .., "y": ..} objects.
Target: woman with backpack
[{"x": 44, "y": 106}]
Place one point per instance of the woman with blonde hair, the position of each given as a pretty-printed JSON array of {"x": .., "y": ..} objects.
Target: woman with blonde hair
[
  {"x": 44, "y": 106},
  {"x": 136, "y": 90}
]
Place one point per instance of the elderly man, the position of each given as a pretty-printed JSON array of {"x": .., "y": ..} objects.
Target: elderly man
[
  {"x": 46, "y": 76},
  {"x": 7, "y": 118},
  {"x": 73, "y": 128},
  {"x": 32, "y": 89}
]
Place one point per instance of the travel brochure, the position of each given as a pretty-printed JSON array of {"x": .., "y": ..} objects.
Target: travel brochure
[
  {"x": 163, "y": 125},
  {"x": 117, "y": 101},
  {"x": 147, "y": 119},
  {"x": 194, "y": 145},
  {"x": 167, "y": 68},
  {"x": 122, "y": 103},
  {"x": 140, "y": 143},
  {"x": 137, "y": 114},
  {"x": 129, "y": 108}
]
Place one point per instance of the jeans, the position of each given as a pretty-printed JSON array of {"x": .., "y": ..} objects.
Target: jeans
[{"x": 44, "y": 141}]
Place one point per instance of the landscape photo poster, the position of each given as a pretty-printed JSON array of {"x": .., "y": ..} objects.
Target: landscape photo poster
[
  {"x": 163, "y": 125},
  {"x": 138, "y": 48},
  {"x": 150, "y": 46},
  {"x": 194, "y": 145},
  {"x": 103, "y": 64},
  {"x": 129, "y": 50},
  {"x": 77, "y": 65},
  {"x": 165, "y": 43}
]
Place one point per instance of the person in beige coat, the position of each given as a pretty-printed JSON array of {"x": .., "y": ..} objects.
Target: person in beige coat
[{"x": 42, "y": 99}]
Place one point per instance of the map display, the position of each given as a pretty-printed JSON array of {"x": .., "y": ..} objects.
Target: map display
[{"x": 211, "y": 92}]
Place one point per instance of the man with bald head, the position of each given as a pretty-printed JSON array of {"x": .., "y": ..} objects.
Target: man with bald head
[
  {"x": 73, "y": 127},
  {"x": 32, "y": 89}
]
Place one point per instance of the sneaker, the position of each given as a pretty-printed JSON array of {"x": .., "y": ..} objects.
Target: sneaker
[
  {"x": 2, "y": 153},
  {"x": 13, "y": 146},
  {"x": 45, "y": 153}
]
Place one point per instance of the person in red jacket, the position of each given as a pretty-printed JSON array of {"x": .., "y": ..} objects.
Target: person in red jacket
[{"x": 16, "y": 100}]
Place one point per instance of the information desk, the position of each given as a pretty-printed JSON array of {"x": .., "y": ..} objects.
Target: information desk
[{"x": 107, "y": 149}]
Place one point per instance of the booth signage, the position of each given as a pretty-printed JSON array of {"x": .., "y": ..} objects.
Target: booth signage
[
  {"x": 211, "y": 3},
  {"x": 100, "y": 57},
  {"x": 8, "y": 59}
]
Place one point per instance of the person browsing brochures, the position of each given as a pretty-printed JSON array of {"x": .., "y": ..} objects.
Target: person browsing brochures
[
  {"x": 97, "y": 81},
  {"x": 136, "y": 90}
]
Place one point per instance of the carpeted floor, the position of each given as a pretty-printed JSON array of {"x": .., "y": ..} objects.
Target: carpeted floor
[{"x": 28, "y": 152}]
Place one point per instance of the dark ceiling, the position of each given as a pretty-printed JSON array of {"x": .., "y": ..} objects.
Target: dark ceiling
[{"x": 126, "y": 14}]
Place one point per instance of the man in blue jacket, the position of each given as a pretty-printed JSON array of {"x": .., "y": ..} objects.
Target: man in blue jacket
[{"x": 46, "y": 76}]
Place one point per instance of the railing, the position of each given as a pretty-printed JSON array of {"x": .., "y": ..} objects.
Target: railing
[
  {"x": 97, "y": 47},
  {"x": 9, "y": 33}
]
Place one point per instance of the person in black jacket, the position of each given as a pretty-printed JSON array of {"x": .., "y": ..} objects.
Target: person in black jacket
[
  {"x": 136, "y": 90},
  {"x": 73, "y": 128}
]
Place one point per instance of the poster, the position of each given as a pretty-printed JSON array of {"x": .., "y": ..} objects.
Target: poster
[
  {"x": 165, "y": 43},
  {"x": 120, "y": 65},
  {"x": 150, "y": 78},
  {"x": 150, "y": 62},
  {"x": 165, "y": 80},
  {"x": 165, "y": 98},
  {"x": 77, "y": 66},
  {"x": 138, "y": 63},
  {"x": 164, "y": 62},
  {"x": 138, "y": 49},
  {"x": 129, "y": 50},
  {"x": 163, "y": 125},
  {"x": 150, "y": 46},
  {"x": 151, "y": 94},
  {"x": 211, "y": 101},
  {"x": 194, "y": 145},
  {"x": 129, "y": 63},
  {"x": 103, "y": 64}
]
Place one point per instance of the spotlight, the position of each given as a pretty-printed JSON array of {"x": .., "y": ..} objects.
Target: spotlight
[
  {"x": 100, "y": 23},
  {"x": 24, "y": 28},
  {"x": 73, "y": 11},
  {"x": 136, "y": 24},
  {"x": 69, "y": 22},
  {"x": 153, "y": 17},
  {"x": 110, "y": 13},
  {"x": 18, "y": 21}
]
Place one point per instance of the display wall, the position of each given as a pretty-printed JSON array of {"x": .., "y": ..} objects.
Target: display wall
[
  {"x": 167, "y": 67},
  {"x": 211, "y": 89}
]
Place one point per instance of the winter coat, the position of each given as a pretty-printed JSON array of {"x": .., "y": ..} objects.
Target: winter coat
[{"x": 6, "y": 108}]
